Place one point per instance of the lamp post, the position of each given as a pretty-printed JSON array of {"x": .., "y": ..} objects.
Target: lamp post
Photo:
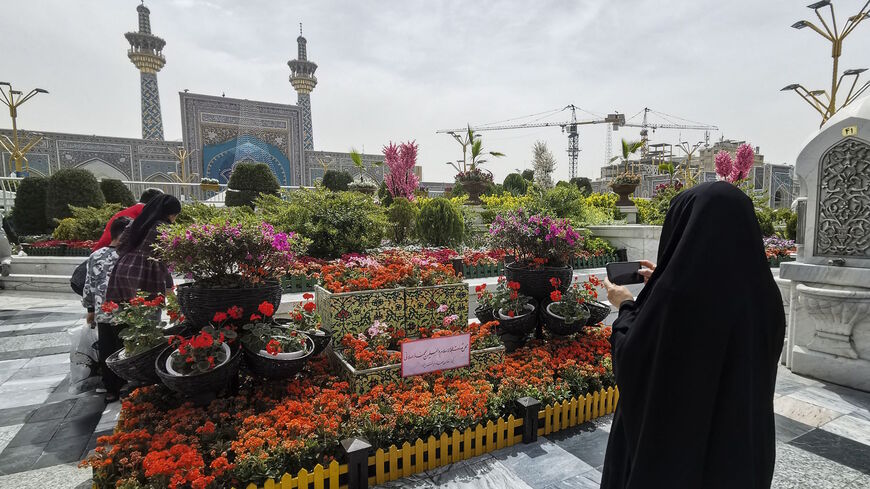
[
  {"x": 182, "y": 154},
  {"x": 13, "y": 99},
  {"x": 690, "y": 178},
  {"x": 825, "y": 102}
]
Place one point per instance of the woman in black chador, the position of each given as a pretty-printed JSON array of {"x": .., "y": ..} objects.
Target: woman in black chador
[{"x": 695, "y": 355}]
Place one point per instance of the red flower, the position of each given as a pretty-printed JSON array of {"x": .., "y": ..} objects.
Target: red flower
[
  {"x": 514, "y": 285},
  {"x": 511, "y": 314},
  {"x": 109, "y": 307},
  {"x": 235, "y": 312},
  {"x": 556, "y": 296},
  {"x": 298, "y": 317},
  {"x": 256, "y": 317},
  {"x": 219, "y": 317},
  {"x": 309, "y": 307},
  {"x": 266, "y": 308},
  {"x": 273, "y": 347},
  {"x": 480, "y": 288},
  {"x": 308, "y": 296},
  {"x": 555, "y": 282}
]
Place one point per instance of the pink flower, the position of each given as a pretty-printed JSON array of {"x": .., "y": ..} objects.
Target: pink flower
[
  {"x": 745, "y": 159},
  {"x": 442, "y": 308},
  {"x": 400, "y": 160},
  {"x": 724, "y": 165},
  {"x": 448, "y": 320}
]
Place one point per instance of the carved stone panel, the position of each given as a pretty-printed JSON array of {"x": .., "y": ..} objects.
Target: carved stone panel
[{"x": 843, "y": 212}]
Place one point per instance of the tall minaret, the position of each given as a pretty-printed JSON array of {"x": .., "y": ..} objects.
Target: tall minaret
[
  {"x": 303, "y": 80},
  {"x": 146, "y": 52}
]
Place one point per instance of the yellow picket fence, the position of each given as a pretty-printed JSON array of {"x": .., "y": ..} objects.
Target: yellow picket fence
[
  {"x": 577, "y": 410},
  {"x": 411, "y": 458}
]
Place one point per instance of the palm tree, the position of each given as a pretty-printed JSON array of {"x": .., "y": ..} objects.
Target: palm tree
[
  {"x": 472, "y": 140},
  {"x": 669, "y": 168},
  {"x": 628, "y": 148}
]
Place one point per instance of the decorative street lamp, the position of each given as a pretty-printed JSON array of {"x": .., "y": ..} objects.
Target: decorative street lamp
[
  {"x": 13, "y": 99},
  {"x": 181, "y": 154},
  {"x": 825, "y": 102}
]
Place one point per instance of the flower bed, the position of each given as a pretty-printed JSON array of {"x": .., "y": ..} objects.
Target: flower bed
[
  {"x": 778, "y": 250},
  {"x": 58, "y": 247},
  {"x": 268, "y": 430}
]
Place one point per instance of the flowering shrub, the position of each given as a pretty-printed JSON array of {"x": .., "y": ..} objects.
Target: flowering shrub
[
  {"x": 775, "y": 246},
  {"x": 371, "y": 275},
  {"x": 485, "y": 298},
  {"x": 400, "y": 160},
  {"x": 372, "y": 348},
  {"x": 537, "y": 239},
  {"x": 735, "y": 171},
  {"x": 140, "y": 320},
  {"x": 264, "y": 431},
  {"x": 262, "y": 333},
  {"x": 223, "y": 253},
  {"x": 202, "y": 352},
  {"x": 304, "y": 315},
  {"x": 474, "y": 175},
  {"x": 570, "y": 304}
]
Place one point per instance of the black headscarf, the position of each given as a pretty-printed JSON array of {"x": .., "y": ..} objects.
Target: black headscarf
[
  {"x": 695, "y": 356},
  {"x": 155, "y": 212}
]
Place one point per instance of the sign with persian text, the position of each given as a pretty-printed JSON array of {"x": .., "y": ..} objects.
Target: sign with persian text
[{"x": 434, "y": 354}]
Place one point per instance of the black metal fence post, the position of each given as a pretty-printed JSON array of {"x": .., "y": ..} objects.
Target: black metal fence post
[
  {"x": 357, "y": 454},
  {"x": 530, "y": 407}
]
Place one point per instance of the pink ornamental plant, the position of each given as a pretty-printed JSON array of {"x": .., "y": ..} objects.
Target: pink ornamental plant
[
  {"x": 400, "y": 160},
  {"x": 735, "y": 171}
]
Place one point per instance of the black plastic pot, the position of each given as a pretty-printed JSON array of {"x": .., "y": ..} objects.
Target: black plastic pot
[
  {"x": 138, "y": 368},
  {"x": 276, "y": 368},
  {"x": 556, "y": 324},
  {"x": 597, "y": 312},
  {"x": 535, "y": 282},
  {"x": 484, "y": 314},
  {"x": 199, "y": 304},
  {"x": 211, "y": 382},
  {"x": 520, "y": 325}
]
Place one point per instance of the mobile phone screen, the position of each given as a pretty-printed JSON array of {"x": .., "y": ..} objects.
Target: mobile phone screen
[{"x": 624, "y": 272}]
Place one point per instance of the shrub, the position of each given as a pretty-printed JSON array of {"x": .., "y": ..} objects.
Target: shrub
[
  {"x": 515, "y": 184},
  {"x": 336, "y": 222},
  {"x": 529, "y": 175},
  {"x": 86, "y": 223},
  {"x": 71, "y": 187},
  {"x": 28, "y": 216},
  {"x": 564, "y": 202},
  {"x": 336, "y": 180},
  {"x": 384, "y": 195},
  {"x": 583, "y": 184},
  {"x": 249, "y": 180},
  {"x": 440, "y": 223},
  {"x": 791, "y": 226},
  {"x": 598, "y": 246},
  {"x": 197, "y": 212},
  {"x": 116, "y": 192},
  {"x": 401, "y": 214},
  {"x": 496, "y": 204},
  {"x": 765, "y": 220},
  {"x": 536, "y": 239}
]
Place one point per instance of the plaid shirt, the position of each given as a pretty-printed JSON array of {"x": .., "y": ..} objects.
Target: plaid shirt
[
  {"x": 100, "y": 265},
  {"x": 137, "y": 271}
]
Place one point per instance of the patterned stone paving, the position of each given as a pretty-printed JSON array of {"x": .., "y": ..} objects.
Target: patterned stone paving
[{"x": 823, "y": 431}]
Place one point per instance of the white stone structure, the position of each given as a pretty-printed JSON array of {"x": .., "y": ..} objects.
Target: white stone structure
[
  {"x": 829, "y": 289},
  {"x": 641, "y": 242}
]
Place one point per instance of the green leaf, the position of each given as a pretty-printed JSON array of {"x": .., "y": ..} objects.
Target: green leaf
[{"x": 202, "y": 365}]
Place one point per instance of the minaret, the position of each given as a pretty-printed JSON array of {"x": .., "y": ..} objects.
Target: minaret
[
  {"x": 146, "y": 52},
  {"x": 303, "y": 80}
]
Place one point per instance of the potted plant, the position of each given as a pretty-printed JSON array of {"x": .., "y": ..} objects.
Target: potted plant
[
  {"x": 567, "y": 313},
  {"x": 143, "y": 337},
  {"x": 470, "y": 176},
  {"x": 272, "y": 350},
  {"x": 543, "y": 248},
  {"x": 485, "y": 303},
  {"x": 235, "y": 262},
  {"x": 205, "y": 363},
  {"x": 625, "y": 183},
  {"x": 515, "y": 311},
  {"x": 304, "y": 317},
  {"x": 360, "y": 184}
]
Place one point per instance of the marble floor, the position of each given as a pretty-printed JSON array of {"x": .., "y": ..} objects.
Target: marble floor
[{"x": 823, "y": 430}]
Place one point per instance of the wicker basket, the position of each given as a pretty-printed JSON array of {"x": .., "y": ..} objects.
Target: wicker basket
[
  {"x": 557, "y": 325},
  {"x": 138, "y": 368},
  {"x": 212, "y": 381},
  {"x": 535, "y": 283},
  {"x": 597, "y": 312},
  {"x": 521, "y": 325},
  {"x": 484, "y": 314},
  {"x": 199, "y": 304},
  {"x": 274, "y": 368}
]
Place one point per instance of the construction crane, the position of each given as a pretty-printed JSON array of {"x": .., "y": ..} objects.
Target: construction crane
[
  {"x": 646, "y": 126},
  {"x": 570, "y": 127}
]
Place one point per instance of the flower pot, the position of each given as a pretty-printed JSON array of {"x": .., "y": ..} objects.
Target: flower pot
[
  {"x": 518, "y": 325},
  {"x": 321, "y": 338},
  {"x": 535, "y": 282},
  {"x": 280, "y": 366},
  {"x": 458, "y": 266},
  {"x": 598, "y": 312},
  {"x": 172, "y": 371},
  {"x": 556, "y": 324},
  {"x": 474, "y": 189},
  {"x": 199, "y": 304},
  {"x": 195, "y": 385},
  {"x": 624, "y": 190},
  {"x": 484, "y": 314},
  {"x": 138, "y": 368}
]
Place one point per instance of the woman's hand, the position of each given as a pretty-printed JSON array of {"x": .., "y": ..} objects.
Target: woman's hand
[
  {"x": 647, "y": 270},
  {"x": 617, "y": 294}
]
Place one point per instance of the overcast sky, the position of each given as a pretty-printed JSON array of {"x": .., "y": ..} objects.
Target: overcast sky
[{"x": 399, "y": 70}]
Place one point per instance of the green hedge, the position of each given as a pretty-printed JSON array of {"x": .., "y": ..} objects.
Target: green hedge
[
  {"x": 440, "y": 223},
  {"x": 336, "y": 180},
  {"x": 86, "y": 223},
  {"x": 248, "y": 181},
  {"x": 116, "y": 192},
  {"x": 28, "y": 216},
  {"x": 71, "y": 187}
]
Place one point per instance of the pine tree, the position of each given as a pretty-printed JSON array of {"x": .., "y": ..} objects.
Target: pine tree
[{"x": 544, "y": 164}]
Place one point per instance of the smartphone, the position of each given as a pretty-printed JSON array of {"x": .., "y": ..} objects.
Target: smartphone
[{"x": 624, "y": 272}]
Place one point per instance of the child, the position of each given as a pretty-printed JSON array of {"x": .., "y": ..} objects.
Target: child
[{"x": 100, "y": 265}]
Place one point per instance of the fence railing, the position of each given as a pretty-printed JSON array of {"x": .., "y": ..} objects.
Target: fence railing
[{"x": 210, "y": 194}]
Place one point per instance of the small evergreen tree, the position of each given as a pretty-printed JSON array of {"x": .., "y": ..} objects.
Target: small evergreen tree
[
  {"x": 336, "y": 180},
  {"x": 583, "y": 184},
  {"x": 515, "y": 184},
  {"x": 544, "y": 163},
  {"x": 28, "y": 215},
  {"x": 440, "y": 223},
  {"x": 116, "y": 192},
  {"x": 529, "y": 175},
  {"x": 71, "y": 187},
  {"x": 248, "y": 181}
]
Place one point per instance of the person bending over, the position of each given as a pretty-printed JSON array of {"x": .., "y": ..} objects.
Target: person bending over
[{"x": 131, "y": 212}]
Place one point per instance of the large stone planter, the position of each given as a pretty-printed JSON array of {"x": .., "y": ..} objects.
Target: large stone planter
[
  {"x": 363, "y": 380},
  {"x": 624, "y": 191},
  {"x": 410, "y": 307},
  {"x": 474, "y": 189}
]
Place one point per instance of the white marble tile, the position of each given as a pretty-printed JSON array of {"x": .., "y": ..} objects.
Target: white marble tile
[
  {"x": 12, "y": 365},
  {"x": 799, "y": 469},
  {"x": 32, "y": 384},
  {"x": 66, "y": 476},
  {"x": 46, "y": 340},
  {"x": 24, "y": 398},
  {"x": 827, "y": 399},
  {"x": 484, "y": 474},
  {"x": 7, "y": 433},
  {"x": 59, "y": 358},
  {"x": 806, "y": 413},
  {"x": 541, "y": 463},
  {"x": 851, "y": 427},
  {"x": 5, "y": 328}
]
